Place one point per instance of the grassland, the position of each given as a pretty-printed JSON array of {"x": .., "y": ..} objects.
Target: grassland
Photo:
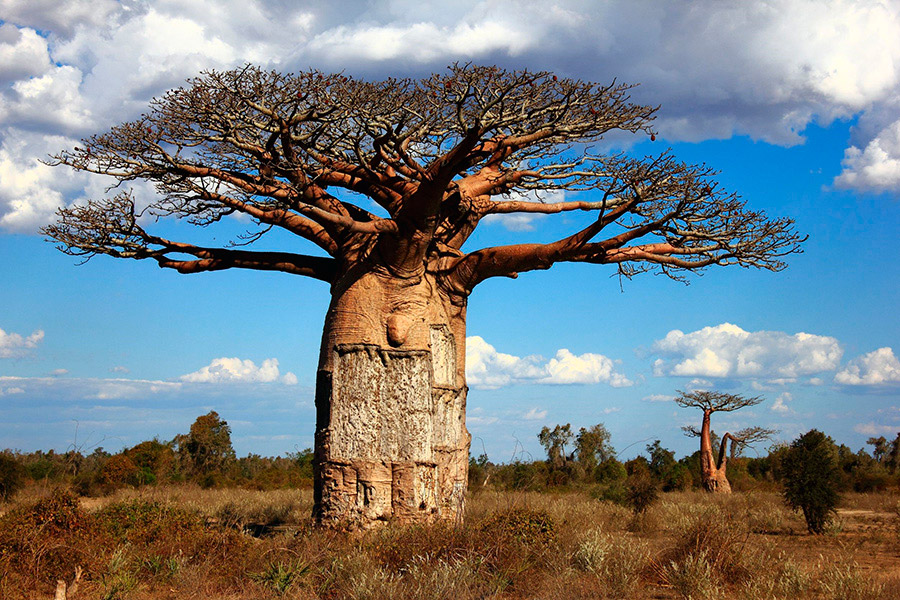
[{"x": 181, "y": 542}]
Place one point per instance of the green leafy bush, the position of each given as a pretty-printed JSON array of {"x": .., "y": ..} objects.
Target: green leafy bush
[{"x": 810, "y": 478}]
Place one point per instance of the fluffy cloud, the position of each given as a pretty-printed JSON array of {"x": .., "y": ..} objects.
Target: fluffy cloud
[
  {"x": 726, "y": 350},
  {"x": 487, "y": 368},
  {"x": 878, "y": 367},
  {"x": 875, "y": 168},
  {"x": 13, "y": 345},
  {"x": 235, "y": 370},
  {"x": 62, "y": 18},
  {"x": 766, "y": 70},
  {"x": 780, "y": 404},
  {"x": 23, "y": 54}
]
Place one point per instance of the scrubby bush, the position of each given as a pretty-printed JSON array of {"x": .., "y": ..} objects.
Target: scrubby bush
[
  {"x": 12, "y": 475},
  {"x": 640, "y": 492}
]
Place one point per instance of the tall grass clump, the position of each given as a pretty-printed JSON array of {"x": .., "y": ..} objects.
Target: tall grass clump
[
  {"x": 616, "y": 560},
  {"x": 280, "y": 575},
  {"x": 777, "y": 578},
  {"x": 693, "y": 577},
  {"x": 844, "y": 581}
]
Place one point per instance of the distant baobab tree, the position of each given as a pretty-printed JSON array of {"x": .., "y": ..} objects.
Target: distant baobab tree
[
  {"x": 712, "y": 470},
  {"x": 385, "y": 181}
]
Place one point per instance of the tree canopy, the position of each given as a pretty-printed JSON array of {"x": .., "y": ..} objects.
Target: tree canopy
[{"x": 402, "y": 171}]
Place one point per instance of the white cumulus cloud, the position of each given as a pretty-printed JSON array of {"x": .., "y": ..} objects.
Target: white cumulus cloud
[
  {"x": 14, "y": 345},
  {"x": 780, "y": 404},
  {"x": 235, "y": 370},
  {"x": 878, "y": 367},
  {"x": 876, "y": 167},
  {"x": 488, "y": 368},
  {"x": 726, "y": 350}
]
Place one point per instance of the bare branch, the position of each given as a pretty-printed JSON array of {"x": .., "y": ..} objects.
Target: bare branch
[
  {"x": 111, "y": 228},
  {"x": 438, "y": 154}
]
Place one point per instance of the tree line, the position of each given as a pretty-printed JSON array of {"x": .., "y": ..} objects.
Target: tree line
[
  {"x": 587, "y": 459},
  {"x": 203, "y": 456},
  {"x": 573, "y": 459},
  {"x": 811, "y": 472}
]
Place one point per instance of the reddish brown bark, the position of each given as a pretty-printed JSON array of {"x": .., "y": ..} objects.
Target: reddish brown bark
[{"x": 712, "y": 471}]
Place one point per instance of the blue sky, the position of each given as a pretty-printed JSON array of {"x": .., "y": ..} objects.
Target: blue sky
[{"x": 796, "y": 103}]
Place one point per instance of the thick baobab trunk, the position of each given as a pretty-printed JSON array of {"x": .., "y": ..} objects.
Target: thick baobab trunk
[
  {"x": 712, "y": 473},
  {"x": 391, "y": 439}
]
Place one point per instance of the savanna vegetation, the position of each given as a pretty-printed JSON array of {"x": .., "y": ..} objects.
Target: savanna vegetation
[{"x": 186, "y": 518}]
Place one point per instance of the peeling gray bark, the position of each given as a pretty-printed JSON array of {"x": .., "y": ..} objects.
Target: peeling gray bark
[{"x": 391, "y": 437}]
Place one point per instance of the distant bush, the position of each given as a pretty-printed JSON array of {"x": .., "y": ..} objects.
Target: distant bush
[
  {"x": 12, "y": 476},
  {"x": 640, "y": 492},
  {"x": 530, "y": 527},
  {"x": 811, "y": 477}
]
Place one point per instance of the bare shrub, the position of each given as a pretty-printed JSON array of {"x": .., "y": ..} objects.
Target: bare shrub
[
  {"x": 640, "y": 492},
  {"x": 717, "y": 536}
]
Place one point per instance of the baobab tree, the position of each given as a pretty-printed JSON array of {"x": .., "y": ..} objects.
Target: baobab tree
[
  {"x": 386, "y": 180},
  {"x": 712, "y": 470}
]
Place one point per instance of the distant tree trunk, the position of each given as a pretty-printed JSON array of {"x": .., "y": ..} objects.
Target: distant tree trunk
[
  {"x": 712, "y": 472},
  {"x": 391, "y": 439}
]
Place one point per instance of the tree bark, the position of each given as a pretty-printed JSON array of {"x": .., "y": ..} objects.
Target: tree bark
[
  {"x": 712, "y": 473},
  {"x": 391, "y": 438}
]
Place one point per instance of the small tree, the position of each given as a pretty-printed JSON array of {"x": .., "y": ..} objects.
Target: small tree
[
  {"x": 554, "y": 442},
  {"x": 880, "y": 448},
  {"x": 208, "y": 445},
  {"x": 592, "y": 447},
  {"x": 810, "y": 476},
  {"x": 712, "y": 471}
]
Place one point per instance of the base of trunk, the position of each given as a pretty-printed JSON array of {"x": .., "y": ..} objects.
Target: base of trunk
[
  {"x": 716, "y": 483},
  {"x": 395, "y": 447}
]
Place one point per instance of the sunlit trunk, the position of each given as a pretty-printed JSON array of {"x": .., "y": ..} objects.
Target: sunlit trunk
[
  {"x": 712, "y": 473},
  {"x": 391, "y": 439}
]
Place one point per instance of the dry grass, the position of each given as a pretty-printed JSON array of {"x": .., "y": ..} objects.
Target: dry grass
[{"x": 185, "y": 543}]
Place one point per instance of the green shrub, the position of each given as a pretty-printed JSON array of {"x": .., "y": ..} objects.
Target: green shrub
[
  {"x": 139, "y": 521},
  {"x": 280, "y": 575},
  {"x": 810, "y": 478}
]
